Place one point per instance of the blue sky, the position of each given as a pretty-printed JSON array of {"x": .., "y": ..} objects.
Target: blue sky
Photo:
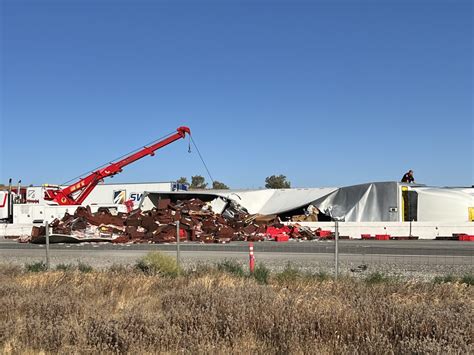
[{"x": 328, "y": 93}]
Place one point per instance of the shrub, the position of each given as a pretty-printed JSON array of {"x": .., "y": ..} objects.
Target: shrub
[
  {"x": 83, "y": 267},
  {"x": 468, "y": 279},
  {"x": 65, "y": 267},
  {"x": 289, "y": 274},
  {"x": 37, "y": 266},
  {"x": 232, "y": 267},
  {"x": 444, "y": 279},
  {"x": 376, "y": 277},
  {"x": 156, "y": 263},
  {"x": 261, "y": 274}
]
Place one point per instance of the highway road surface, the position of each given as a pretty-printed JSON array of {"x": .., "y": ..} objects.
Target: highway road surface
[
  {"x": 410, "y": 258},
  {"x": 417, "y": 258}
]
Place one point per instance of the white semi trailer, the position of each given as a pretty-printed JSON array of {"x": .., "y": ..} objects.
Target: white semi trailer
[{"x": 31, "y": 206}]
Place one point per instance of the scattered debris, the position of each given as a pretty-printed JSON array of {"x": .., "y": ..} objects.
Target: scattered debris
[
  {"x": 359, "y": 268},
  {"x": 197, "y": 223},
  {"x": 311, "y": 215}
]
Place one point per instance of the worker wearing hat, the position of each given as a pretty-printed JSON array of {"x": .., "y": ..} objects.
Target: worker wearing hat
[{"x": 408, "y": 177}]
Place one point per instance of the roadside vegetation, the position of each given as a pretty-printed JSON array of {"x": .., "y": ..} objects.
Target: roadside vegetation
[{"x": 153, "y": 306}]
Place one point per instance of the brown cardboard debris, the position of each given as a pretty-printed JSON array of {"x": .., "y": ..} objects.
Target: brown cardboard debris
[{"x": 197, "y": 223}]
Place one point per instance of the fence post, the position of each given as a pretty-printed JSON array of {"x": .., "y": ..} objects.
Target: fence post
[
  {"x": 336, "y": 250},
  {"x": 251, "y": 258},
  {"x": 177, "y": 247},
  {"x": 46, "y": 227}
]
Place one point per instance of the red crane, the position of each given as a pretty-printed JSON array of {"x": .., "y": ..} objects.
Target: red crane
[{"x": 76, "y": 193}]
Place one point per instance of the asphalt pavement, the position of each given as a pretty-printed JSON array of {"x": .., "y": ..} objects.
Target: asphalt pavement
[
  {"x": 412, "y": 259},
  {"x": 358, "y": 247}
]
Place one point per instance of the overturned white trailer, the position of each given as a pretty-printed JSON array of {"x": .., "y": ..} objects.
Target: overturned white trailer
[
  {"x": 391, "y": 208},
  {"x": 398, "y": 202},
  {"x": 370, "y": 202},
  {"x": 263, "y": 201}
]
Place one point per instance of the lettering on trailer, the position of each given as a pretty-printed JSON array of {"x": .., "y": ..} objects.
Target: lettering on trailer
[
  {"x": 178, "y": 187},
  {"x": 136, "y": 197},
  {"x": 119, "y": 197}
]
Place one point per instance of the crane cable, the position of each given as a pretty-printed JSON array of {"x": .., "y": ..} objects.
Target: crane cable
[{"x": 200, "y": 156}]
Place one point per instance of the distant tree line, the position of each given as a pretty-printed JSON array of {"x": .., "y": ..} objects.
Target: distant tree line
[{"x": 198, "y": 182}]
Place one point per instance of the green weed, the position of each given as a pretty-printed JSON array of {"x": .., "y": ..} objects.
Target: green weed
[
  {"x": 231, "y": 267},
  {"x": 261, "y": 274},
  {"x": 156, "y": 263},
  {"x": 38, "y": 266}
]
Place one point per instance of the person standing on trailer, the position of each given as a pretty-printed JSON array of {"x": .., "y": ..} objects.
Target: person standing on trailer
[{"x": 408, "y": 177}]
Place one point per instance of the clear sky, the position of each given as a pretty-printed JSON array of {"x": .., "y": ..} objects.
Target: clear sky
[{"x": 328, "y": 93}]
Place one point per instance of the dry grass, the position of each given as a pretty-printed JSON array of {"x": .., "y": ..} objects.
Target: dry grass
[{"x": 125, "y": 311}]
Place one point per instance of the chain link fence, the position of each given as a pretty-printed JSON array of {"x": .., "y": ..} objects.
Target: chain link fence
[{"x": 419, "y": 259}]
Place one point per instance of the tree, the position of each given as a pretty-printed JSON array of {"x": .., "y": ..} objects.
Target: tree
[
  {"x": 277, "y": 182},
  {"x": 217, "y": 185},
  {"x": 197, "y": 182},
  {"x": 183, "y": 180}
]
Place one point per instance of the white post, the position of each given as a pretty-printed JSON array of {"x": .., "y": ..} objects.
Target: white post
[
  {"x": 18, "y": 194},
  {"x": 336, "y": 250},
  {"x": 177, "y": 246},
  {"x": 46, "y": 226}
]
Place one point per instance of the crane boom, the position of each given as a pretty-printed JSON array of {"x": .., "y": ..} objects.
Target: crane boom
[{"x": 76, "y": 193}]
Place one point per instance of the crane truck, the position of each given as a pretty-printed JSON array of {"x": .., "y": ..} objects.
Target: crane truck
[{"x": 61, "y": 199}]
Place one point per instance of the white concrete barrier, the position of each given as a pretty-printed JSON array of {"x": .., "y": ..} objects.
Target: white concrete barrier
[
  {"x": 422, "y": 230},
  {"x": 15, "y": 230}
]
